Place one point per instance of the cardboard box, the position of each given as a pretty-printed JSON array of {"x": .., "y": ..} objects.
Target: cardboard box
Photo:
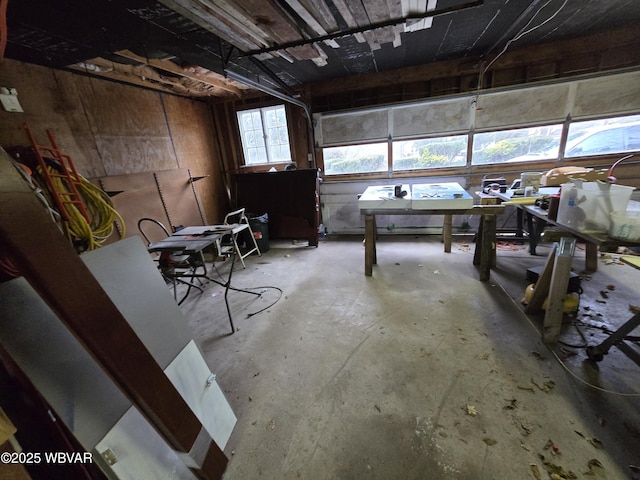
[{"x": 549, "y": 179}]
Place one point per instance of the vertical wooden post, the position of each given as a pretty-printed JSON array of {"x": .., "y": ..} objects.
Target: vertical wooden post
[
  {"x": 488, "y": 249},
  {"x": 369, "y": 243},
  {"x": 477, "y": 253},
  {"x": 375, "y": 241},
  {"x": 591, "y": 257},
  {"x": 446, "y": 232}
]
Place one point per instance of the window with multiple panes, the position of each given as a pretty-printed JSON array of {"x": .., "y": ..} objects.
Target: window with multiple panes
[
  {"x": 430, "y": 153},
  {"x": 264, "y": 135},
  {"x": 516, "y": 145},
  {"x": 600, "y": 137},
  {"x": 592, "y": 116},
  {"x": 584, "y": 138},
  {"x": 371, "y": 157}
]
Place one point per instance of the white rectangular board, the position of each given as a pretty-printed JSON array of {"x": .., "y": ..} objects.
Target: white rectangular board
[
  {"x": 383, "y": 197},
  {"x": 426, "y": 196}
]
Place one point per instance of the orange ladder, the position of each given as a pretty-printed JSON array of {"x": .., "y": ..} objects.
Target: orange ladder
[{"x": 67, "y": 171}]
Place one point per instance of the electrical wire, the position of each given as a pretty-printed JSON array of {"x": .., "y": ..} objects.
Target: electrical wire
[
  {"x": 37, "y": 191},
  {"x": 249, "y": 315},
  {"x": 518, "y": 36},
  {"x": 595, "y": 387},
  {"x": 100, "y": 209},
  {"x": 561, "y": 362}
]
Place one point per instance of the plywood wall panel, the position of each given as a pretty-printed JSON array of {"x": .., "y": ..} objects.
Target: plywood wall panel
[
  {"x": 179, "y": 200},
  {"x": 197, "y": 152},
  {"x": 138, "y": 197},
  {"x": 50, "y": 100},
  {"x": 299, "y": 136},
  {"x": 135, "y": 154},
  {"x": 128, "y": 125},
  {"x": 120, "y": 135}
]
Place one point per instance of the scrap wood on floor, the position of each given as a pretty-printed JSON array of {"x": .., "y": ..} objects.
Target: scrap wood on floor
[{"x": 512, "y": 246}]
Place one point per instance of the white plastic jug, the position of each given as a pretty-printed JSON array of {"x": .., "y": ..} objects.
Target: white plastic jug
[{"x": 570, "y": 212}]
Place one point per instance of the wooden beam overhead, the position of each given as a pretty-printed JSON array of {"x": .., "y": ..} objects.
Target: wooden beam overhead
[
  {"x": 100, "y": 67},
  {"x": 180, "y": 82},
  {"x": 171, "y": 67}
]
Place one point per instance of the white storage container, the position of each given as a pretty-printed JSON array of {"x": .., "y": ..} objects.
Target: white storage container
[
  {"x": 625, "y": 225},
  {"x": 588, "y": 206}
]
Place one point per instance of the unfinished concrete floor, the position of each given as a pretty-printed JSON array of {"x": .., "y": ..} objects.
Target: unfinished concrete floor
[{"x": 418, "y": 372}]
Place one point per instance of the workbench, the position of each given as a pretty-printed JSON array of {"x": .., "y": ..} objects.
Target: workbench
[
  {"x": 537, "y": 219},
  {"x": 485, "y": 243}
]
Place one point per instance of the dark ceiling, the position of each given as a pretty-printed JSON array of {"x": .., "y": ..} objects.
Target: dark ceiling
[{"x": 221, "y": 47}]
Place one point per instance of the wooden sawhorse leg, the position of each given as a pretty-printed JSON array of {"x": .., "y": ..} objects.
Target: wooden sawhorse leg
[
  {"x": 370, "y": 256},
  {"x": 446, "y": 232},
  {"x": 485, "y": 252},
  {"x": 591, "y": 257}
]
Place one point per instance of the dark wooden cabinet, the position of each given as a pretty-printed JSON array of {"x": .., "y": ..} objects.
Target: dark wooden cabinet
[{"x": 291, "y": 198}]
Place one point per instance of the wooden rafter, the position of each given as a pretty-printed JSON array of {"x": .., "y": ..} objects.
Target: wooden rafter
[
  {"x": 171, "y": 67},
  {"x": 148, "y": 76}
]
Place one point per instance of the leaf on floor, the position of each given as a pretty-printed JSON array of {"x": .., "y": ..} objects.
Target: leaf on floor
[
  {"x": 525, "y": 429},
  {"x": 557, "y": 472},
  {"x": 537, "y": 355},
  {"x": 546, "y": 386},
  {"x": 535, "y": 471},
  {"x": 596, "y": 443},
  {"x": 594, "y": 467},
  {"x": 471, "y": 410}
]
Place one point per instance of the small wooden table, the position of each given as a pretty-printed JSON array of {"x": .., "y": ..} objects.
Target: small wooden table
[{"x": 485, "y": 244}]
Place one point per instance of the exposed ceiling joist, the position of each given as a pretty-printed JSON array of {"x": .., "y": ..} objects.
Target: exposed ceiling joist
[
  {"x": 287, "y": 44},
  {"x": 207, "y": 78}
]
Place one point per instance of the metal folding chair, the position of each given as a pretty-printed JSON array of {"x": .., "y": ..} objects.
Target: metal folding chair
[{"x": 240, "y": 224}]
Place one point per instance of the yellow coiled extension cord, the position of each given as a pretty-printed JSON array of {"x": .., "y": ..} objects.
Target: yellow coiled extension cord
[{"x": 100, "y": 209}]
